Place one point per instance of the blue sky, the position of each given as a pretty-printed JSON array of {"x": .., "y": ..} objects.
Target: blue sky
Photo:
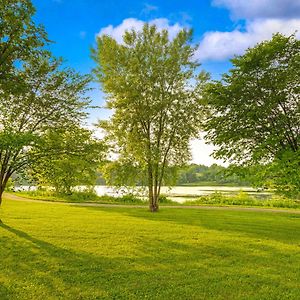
[
  {"x": 222, "y": 28},
  {"x": 73, "y": 24}
]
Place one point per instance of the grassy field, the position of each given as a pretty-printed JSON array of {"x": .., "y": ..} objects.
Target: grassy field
[{"x": 52, "y": 251}]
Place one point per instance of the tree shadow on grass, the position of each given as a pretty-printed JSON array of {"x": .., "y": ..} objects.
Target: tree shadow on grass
[
  {"x": 35, "y": 269},
  {"x": 280, "y": 227}
]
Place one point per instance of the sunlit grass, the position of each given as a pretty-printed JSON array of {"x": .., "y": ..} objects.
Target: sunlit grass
[{"x": 52, "y": 251}]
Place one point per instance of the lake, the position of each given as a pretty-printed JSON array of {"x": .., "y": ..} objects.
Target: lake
[
  {"x": 183, "y": 193},
  {"x": 176, "y": 193}
]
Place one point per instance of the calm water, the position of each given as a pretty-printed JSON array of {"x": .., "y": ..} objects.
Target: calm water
[
  {"x": 176, "y": 193},
  {"x": 183, "y": 193}
]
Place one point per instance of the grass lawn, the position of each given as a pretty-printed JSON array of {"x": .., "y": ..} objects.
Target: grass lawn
[{"x": 52, "y": 251}]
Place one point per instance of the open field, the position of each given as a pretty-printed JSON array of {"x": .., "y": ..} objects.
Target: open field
[{"x": 70, "y": 252}]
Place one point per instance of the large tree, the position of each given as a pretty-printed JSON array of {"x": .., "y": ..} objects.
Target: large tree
[
  {"x": 36, "y": 93},
  {"x": 255, "y": 108},
  {"x": 154, "y": 92},
  {"x": 51, "y": 98}
]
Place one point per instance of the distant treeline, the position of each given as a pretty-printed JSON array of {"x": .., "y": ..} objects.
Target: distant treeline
[
  {"x": 203, "y": 175},
  {"x": 194, "y": 174}
]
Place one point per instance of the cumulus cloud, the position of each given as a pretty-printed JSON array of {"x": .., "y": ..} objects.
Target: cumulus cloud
[
  {"x": 218, "y": 45},
  {"x": 252, "y": 9},
  {"x": 118, "y": 31}
]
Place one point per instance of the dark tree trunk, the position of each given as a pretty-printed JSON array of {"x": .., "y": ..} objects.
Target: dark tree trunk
[
  {"x": 3, "y": 183},
  {"x": 154, "y": 204},
  {"x": 153, "y": 200},
  {"x": 1, "y": 193},
  {"x": 2, "y": 188}
]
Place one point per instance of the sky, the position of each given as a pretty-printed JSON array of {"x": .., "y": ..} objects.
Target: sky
[{"x": 222, "y": 29}]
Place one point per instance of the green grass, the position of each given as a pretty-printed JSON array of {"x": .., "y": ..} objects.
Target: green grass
[{"x": 52, "y": 251}]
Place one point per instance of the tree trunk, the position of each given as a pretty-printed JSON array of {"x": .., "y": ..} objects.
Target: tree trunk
[
  {"x": 153, "y": 203},
  {"x": 3, "y": 183},
  {"x": 155, "y": 206},
  {"x": 1, "y": 193}
]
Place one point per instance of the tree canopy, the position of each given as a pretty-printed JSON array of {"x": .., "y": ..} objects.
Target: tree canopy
[
  {"x": 36, "y": 93},
  {"x": 75, "y": 159},
  {"x": 20, "y": 39},
  {"x": 255, "y": 109},
  {"x": 154, "y": 91}
]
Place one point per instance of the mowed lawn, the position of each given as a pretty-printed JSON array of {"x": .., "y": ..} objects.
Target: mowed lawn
[{"x": 52, "y": 251}]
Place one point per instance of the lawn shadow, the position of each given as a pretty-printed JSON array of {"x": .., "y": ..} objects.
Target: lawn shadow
[
  {"x": 164, "y": 269},
  {"x": 280, "y": 227}
]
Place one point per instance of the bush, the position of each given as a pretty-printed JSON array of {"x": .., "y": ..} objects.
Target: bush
[
  {"x": 243, "y": 199},
  {"x": 164, "y": 200}
]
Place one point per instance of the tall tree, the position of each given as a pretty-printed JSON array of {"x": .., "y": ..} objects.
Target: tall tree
[
  {"x": 36, "y": 93},
  {"x": 154, "y": 93},
  {"x": 255, "y": 108}
]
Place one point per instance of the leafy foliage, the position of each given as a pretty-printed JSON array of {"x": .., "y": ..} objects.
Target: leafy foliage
[
  {"x": 214, "y": 175},
  {"x": 243, "y": 199},
  {"x": 154, "y": 93},
  {"x": 255, "y": 110},
  {"x": 74, "y": 159},
  {"x": 36, "y": 93},
  {"x": 20, "y": 39}
]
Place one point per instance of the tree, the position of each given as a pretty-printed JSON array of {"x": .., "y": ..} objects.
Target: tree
[
  {"x": 20, "y": 39},
  {"x": 154, "y": 93},
  {"x": 36, "y": 93},
  {"x": 51, "y": 98},
  {"x": 75, "y": 162},
  {"x": 255, "y": 109}
]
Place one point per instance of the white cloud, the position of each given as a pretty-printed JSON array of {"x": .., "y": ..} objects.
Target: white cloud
[
  {"x": 218, "y": 45},
  {"x": 251, "y": 9},
  {"x": 118, "y": 31}
]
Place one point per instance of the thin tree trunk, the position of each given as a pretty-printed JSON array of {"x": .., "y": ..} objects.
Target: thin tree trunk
[
  {"x": 155, "y": 188},
  {"x": 153, "y": 206},
  {"x": 3, "y": 183},
  {"x": 156, "y": 198},
  {"x": 1, "y": 193}
]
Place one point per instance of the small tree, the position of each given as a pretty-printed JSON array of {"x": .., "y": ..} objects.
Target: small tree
[
  {"x": 255, "y": 108},
  {"x": 75, "y": 162},
  {"x": 154, "y": 93}
]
